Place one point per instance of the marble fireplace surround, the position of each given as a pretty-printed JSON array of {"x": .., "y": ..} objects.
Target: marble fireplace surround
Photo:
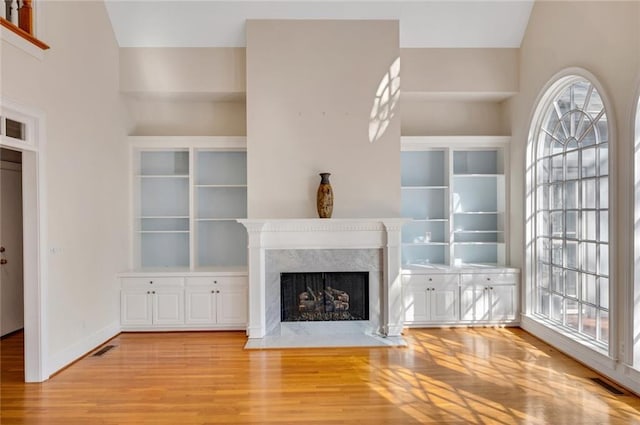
[{"x": 297, "y": 245}]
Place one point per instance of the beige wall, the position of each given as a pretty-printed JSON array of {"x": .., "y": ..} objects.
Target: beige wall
[
  {"x": 185, "y": 117},
  {"x": 453, "y": 117},
  {"x": 310, "y": 91},
  {"x": 489, "y": 71},
  {"x": 76, "y": 85},
  {"x": 182, "y": 70}
]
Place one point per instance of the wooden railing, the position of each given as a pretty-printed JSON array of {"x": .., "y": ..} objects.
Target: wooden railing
[{"x": 17, "y": 16}]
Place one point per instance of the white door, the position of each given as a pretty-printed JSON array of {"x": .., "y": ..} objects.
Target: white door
[
  {"x": 503, "y": 302},
  {"x": 136, "y": 307},
  {"x": 415, "y": 299},
  {"x": 11, "y": 278},
  {"x": 232, "y": 305},
  {"x": 168, "y": 306},
  {"x": 200, "y": 306},
  {"x": 444, "y": 302}
]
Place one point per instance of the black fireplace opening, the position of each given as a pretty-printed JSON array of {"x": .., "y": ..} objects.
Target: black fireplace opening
[{"x": 325, "y": 296}]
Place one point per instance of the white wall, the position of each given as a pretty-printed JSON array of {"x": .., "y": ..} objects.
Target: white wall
[
  {"x": 310, "y": 92},
  {"x": 76, "y": 85},
  {"x": 603, "y": 38}
]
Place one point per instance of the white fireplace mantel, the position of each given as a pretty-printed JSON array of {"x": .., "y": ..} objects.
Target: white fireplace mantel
[{"x": 361, "y": 233}]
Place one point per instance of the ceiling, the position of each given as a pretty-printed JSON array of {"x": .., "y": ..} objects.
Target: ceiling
[{"x": 214, "y": 23}]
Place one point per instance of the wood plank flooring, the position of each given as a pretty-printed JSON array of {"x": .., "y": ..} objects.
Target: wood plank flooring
[{"x": 445, "y": 376}]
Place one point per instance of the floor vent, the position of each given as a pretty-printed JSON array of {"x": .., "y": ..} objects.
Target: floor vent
[
  {"x": 607, "y": 386},
  {"x": 103, "y": 350}
]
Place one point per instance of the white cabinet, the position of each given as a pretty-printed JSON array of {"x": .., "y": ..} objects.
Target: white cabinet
[
  {"x": 187, "y": 194},
  {"x": 454, "y": 189},
  {"x": 489, "y": 297},
  {"x": 184, "y": 301},
  {"x": 430, "y": 298},
  {"x": 152, "y": 301},
  {"x": 213, "y": 300},
  {"x": 460, "y": 296}
]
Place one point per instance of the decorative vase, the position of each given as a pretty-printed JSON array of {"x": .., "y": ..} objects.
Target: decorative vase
[{"x": 325, "y": 197}]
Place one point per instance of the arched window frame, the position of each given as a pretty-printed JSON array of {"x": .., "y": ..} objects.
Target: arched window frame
[
  {"x": 556, "y": 85},
  {"x": 633, "y": 306}
]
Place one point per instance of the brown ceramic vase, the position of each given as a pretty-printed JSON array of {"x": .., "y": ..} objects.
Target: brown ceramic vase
[{"x": 325, "y": 197}]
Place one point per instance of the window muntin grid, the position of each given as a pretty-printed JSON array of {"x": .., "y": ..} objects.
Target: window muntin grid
[{"x": 572, "y": 215}]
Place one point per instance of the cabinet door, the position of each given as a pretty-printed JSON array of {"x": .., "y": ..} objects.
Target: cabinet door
[
  {"x": 415, "y": 301},
  {"x": 503, "y": 302},
  {"x": 168, "y": 306},
  {"x": 135, "y": 307},
  {"x": 474, "y": 302},
  {"x": 200, "y": 306},
  {"x": 443, "y": 302},
  {"x": 232, "y": 305}
]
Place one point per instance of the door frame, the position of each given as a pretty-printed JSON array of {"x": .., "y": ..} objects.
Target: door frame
[{"x": 34, "y": 233}]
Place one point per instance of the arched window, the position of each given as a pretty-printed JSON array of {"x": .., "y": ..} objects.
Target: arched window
[{"x": 569, "y": 207}]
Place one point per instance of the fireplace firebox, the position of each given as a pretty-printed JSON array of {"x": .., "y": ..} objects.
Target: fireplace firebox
[{"x": 326, "y": 296}]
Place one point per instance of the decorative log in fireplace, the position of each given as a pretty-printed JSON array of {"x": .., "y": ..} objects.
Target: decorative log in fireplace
[{"x": 325, "y": 296}]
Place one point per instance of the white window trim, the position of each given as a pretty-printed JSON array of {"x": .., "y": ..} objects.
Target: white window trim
[{"x": 617, "y": 286}]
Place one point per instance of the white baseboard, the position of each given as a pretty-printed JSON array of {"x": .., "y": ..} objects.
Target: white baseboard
[
  {"x": 82, "y": 347},
  {"x": 599, "y": 362}
]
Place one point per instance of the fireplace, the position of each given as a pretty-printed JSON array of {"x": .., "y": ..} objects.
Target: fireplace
[
  {"x": 278, "y": 246},
  {"x": 327, "y": 296}
]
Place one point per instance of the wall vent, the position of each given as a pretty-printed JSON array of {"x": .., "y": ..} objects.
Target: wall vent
[
  {"x": 103, "y": 350},
  {"x": 607, "y": 386}
]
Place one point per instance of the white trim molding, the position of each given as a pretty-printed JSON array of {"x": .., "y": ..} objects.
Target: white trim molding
[
  {"x": 34, "y": 236},
  {"x": 379, "y": 233}
]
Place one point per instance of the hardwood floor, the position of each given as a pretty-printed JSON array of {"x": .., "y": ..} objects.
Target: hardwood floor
[{"x": 445, "y": 376}]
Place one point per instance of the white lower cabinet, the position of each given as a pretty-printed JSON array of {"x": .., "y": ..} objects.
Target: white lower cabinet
[
  {"x": 430, "y": 298},
  {"x": 152, "y": 301},
  {"x": 489, "y": 297},
  {"x": 216, "y": 301},
  {"x": 185, "y": 302},
  {"x": 460, "y": 297}
]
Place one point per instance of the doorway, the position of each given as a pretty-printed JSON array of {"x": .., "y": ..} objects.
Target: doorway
[
  {"x": 21, "y": 134},
  {"x": 11, "y": 243}
]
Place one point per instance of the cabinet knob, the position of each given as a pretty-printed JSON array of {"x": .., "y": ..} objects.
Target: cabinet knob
[
  {"x": 4, "y": 261},
  {"x": 213, "y": 292},
  {"x": 153, "y": 292},
  {"x": 2, "y": 249},
  {"x": 430, "y": 280},
  {"x": 488, "y": 278},
  {"x": 491, "y": 288},
  {"x": 148, "y": 292},
  {"x": 215, "y": 281},
  {"x": 151, "y": 282},
  {"x": 217, "y": 292}
]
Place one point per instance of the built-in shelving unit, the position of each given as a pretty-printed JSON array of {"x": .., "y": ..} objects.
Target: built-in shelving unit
[
  {"x": 162, "y": 179},
  {"x": 188, "y": 193},
  {"x": 454, "y": 190}
]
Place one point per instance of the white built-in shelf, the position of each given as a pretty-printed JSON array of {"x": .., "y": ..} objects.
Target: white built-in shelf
[
  {"x": 424, "y": 243},
  {"x": 163, "y": 231},
  {"x": 163, "y": 176},
  {"x": 478, "y": 231},
  {"x": 460, "y": 181},
  {"x": 477, "y": 175},
  {"x": 424, "y": 187},
  {"x": 476, "y": 212},
  {"x": 216, "y": 219},
  {"x": 220, "y": 185},
  {"x": 188, "y": 194}
]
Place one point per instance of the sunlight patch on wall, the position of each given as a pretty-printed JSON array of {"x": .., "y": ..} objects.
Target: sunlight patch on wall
[{"x": 385, "y": 102}]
